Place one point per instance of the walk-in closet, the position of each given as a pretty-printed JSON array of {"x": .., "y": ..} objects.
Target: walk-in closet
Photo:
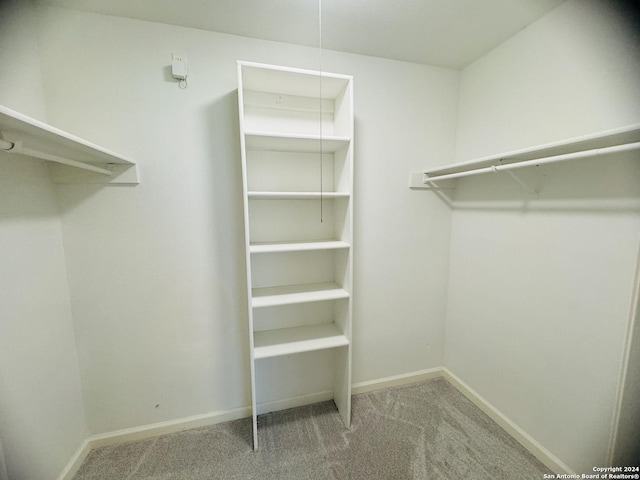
[{"x": 333, "y": 238}]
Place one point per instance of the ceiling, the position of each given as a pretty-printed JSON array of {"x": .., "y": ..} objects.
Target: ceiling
[{"x": 448, "y": 33}]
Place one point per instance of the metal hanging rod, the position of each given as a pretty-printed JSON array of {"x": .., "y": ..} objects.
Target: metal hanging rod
[
  {"x": 16, "y": 147},
  {"x": 538, "y": 161}
]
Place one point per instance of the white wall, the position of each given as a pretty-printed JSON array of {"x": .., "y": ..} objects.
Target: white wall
[
  {"x": 573, "y": 72},
  {"x": 4, "y": 475},
  {"x": 41, "y": 413},
  {"x": 540, "y": 289},
  {"x": 156, "y": 271},
  {"x": 627, "y": 439},
  {"x": 20, "y": 77}
]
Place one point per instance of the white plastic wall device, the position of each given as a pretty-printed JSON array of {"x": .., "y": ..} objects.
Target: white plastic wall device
[{"x": 179, "y": 68}]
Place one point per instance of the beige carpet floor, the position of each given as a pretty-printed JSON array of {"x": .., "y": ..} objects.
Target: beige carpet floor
[{"x": 426, "y": 430}]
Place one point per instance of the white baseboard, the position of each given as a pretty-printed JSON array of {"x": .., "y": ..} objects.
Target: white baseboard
[
  {"x": 148, "y": 431},
  {"x": 76, "y": 461},
  {"x": 181, "y": 424},
  {"x": 396, "y": 380},
  {"x": 163, "y": 428},
  {"x": 527, "y": 441}
]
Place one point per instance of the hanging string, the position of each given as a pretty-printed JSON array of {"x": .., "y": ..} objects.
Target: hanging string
[{"x": 320, "y": 109}]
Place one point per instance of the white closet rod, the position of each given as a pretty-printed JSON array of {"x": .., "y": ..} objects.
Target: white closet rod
[
  {"x": 17, "y": 147},
  {"x": 538, "y": 161}
]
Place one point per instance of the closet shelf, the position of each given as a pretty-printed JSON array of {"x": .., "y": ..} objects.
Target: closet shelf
[
  {"x": 602, "y": 143},
  {"x": 291, "y": 294},
  {"x": 278, "y": 247},
  {"x": 288, "y": 103},
  {"x": 295, "y": 195},
  {"x": 27, "y": 136},
  {"x": 292, "y": 81},
  {"x": 281, "y": 142},
  {"x": 287, "y": 341}
]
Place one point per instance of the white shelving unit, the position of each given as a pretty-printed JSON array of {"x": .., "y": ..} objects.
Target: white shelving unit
[
  {"x": 296, "y": 131},
  {"x": 91, "y": 163}
]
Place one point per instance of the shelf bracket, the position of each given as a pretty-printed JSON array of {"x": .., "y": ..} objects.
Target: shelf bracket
[
  {"x": 519, "y": 181},
  {"x": 16, "y": 147},
  {"x": 417, "y": 182}
]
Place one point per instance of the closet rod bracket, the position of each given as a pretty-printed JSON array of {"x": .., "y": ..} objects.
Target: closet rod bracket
[
  {"x": 520, "y": 182},
  {"x": 417, "y": 181}
]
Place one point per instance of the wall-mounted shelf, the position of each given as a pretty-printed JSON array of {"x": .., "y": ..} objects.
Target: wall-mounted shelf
[
  {"x": 92, "y": 163},
  {"x": 589, "y": 146}
]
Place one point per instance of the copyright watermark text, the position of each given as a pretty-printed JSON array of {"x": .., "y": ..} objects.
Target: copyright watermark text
[{"x": 600, "y": 473}]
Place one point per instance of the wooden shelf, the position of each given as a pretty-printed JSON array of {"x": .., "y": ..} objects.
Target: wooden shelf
[
  {"x": 37, "y": 139},
  {"x": 296, "y": 195},
  {"x": 281, "y": 142},
  {"x": 291, "y": 294},
  {"x": 287, "y": 341},
  {"x": 277, "y": 247}
]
